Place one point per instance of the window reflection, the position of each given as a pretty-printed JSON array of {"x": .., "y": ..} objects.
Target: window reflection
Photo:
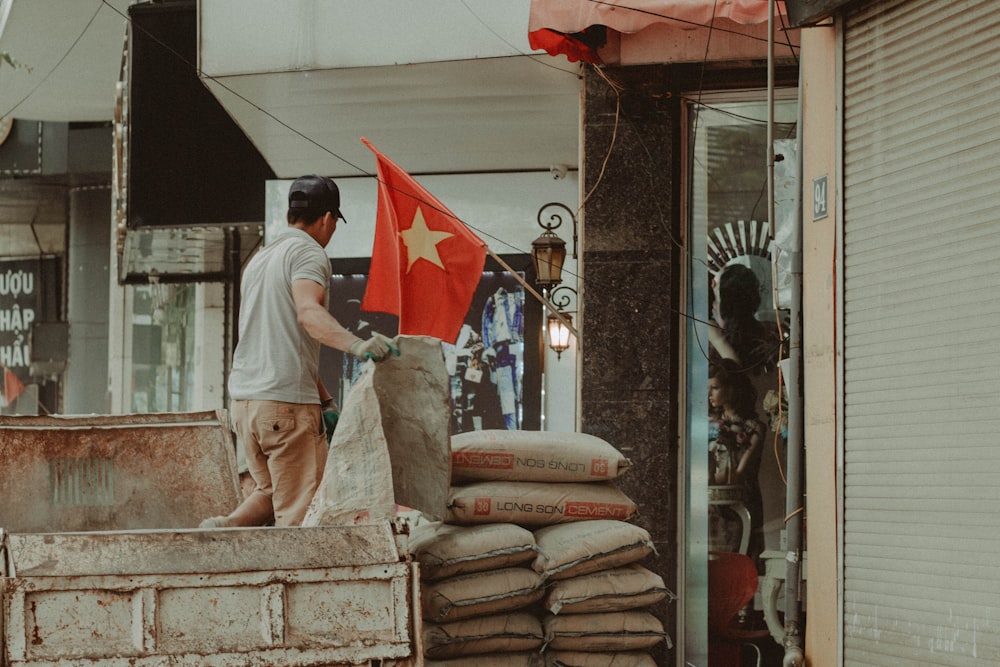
[
  {"x": 162, "y": 347},
  {"x": 729, "y": 209},
  {"x": 736, "y": 343}
]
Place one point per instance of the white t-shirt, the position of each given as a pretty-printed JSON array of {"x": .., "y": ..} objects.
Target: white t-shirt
[{"x": 275, "y": 358}]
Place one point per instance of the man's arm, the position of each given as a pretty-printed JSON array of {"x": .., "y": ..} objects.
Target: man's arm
[
  {"x": 324, "y": 327},
  {"x": 316, "y": 319}
]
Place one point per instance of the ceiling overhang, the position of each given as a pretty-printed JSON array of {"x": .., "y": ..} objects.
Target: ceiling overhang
[
  {"x": 498, "y": 114},
  {"x": 67, "y": 59},
  {"x": 439, "y": 86}
]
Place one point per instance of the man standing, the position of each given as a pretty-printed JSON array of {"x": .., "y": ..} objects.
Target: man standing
[{"x": 277, "y": 396}]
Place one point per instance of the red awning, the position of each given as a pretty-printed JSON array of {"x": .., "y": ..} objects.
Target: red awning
[{"x": 570, "y": 27}]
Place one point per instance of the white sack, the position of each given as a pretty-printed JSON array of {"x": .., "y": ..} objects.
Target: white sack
[{"x": 391, "y": 444}]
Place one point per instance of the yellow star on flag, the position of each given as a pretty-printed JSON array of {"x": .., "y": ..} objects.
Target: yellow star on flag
[{"x": 422, "y": 242}]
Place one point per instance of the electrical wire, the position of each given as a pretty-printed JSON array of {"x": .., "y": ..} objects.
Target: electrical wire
[
  {"x": 362, "y": 171},
  {"x": 616, "y": 87},
  {"x": 662, "y": 217},
  {"x": 60, "y": 61},
  {"x": 732, "y": 114},
  {"x": 516, "y": 50},
  {"x": 695, "y": 24},
  {"x": 697, "y": 101},
  {"x": 777, "y": 431}
]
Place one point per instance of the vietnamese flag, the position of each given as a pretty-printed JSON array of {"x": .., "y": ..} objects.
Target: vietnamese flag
[
  {"x": 426, "y": 263},
  {"x": 12, "y": 386}
]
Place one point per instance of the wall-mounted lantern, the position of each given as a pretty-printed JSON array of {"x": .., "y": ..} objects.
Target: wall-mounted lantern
[
  {"x": 548, "y": 251},
  {"x": 556, "y": 324}
]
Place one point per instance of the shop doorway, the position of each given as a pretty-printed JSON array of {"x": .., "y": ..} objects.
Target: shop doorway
[{"x": 734, "y": 478}]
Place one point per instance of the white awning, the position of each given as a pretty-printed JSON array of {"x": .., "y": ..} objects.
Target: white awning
[
  {"x": 577, "y": 28},
  {"x": 572, "y": 16}
]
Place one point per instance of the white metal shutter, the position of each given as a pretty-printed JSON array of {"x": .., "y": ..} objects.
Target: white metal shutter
[{"x": 922, "y": 333}]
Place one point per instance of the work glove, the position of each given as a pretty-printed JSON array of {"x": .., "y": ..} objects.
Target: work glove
[
  {"x": 377, "y": 347},
  {"x": 330, "y": 419}
]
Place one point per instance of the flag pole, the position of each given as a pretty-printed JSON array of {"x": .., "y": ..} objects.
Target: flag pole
[{"x": 524, "y": 283}]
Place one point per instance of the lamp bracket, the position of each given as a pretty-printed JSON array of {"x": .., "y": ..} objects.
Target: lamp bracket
[
  {"x": 555, "y": 220},
  {"x": 561, "y": 301}
]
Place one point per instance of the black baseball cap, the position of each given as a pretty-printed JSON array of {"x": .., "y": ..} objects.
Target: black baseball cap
[{"x": 316, "y": 194}]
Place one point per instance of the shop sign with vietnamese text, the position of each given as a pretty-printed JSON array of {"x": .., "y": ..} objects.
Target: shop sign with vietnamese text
[{"x": 21, "y": 304}]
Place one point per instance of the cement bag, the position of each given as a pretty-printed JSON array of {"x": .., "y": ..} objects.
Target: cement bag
[
  {"x": 501, "y": 633},
  {"x": 492, "y": 660},
  {"x": 444, "y": 550},
  {"x": 581, "y": 659},
  {"x": 613, "y": 632},
  {"x": 618, "y": 589},
  {"x": 534, "y": 456},
  {"x": 391, "y": 442},
  {"x": 480, "y": 594},
  {"x": 537, "y": 503},
  {"x": 576, "y": 549}
]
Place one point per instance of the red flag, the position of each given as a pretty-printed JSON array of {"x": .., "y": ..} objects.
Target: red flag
[
  {"x": 426, "y": 263},
  {"x": 574, "y": 47},
  {"x": 12, "y": 386}
]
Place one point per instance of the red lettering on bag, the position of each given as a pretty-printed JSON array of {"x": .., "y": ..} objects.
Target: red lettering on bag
[
  {"x": 599, "y": 467},
  {"x": 493, "y": 460},
  {"x": 589, "y": 510},
  {"x": 482, "y": 506}
]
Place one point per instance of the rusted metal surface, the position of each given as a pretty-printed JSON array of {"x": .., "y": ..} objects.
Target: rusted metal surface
[
  {"x": 337, "y": 596},
  {"x": 134, "y": 553},
  {"x": 128, "y": 472},
  {"x": 100, "y": 565}
]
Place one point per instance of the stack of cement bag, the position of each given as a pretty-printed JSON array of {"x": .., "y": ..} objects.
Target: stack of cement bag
[
  {"x": 548, "y": 565},
  {"x": 477, "y": 583},
  {"x": 597, "y": 594}
]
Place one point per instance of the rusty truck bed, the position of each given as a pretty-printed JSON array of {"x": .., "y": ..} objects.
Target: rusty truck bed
[{"x": 100, "y": 565}]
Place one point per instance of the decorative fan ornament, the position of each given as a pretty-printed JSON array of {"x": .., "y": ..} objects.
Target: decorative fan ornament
[
  {"x": 739, "y": 240},
  {"x": 749, "y": 244}
]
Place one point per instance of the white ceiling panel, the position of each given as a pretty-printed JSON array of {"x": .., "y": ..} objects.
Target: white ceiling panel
[
  {"x": 248, "y": 36},
  {"x": 518, "y": 114},
  {"x": 69, "y": 55},
  {"x": 440, "y": 86}
]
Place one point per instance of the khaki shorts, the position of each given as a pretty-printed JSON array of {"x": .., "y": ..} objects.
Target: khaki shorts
[{"x": 285, "y": 447}]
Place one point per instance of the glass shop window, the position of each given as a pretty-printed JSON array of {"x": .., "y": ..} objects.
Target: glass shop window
[
  {"x": 735, "y": 407},
  {"x": 163, "y": 318},
  {"x": 493, "y": 367}
]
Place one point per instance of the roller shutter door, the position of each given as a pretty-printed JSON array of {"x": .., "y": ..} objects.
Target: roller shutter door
[{"x": 922, "y": 333}]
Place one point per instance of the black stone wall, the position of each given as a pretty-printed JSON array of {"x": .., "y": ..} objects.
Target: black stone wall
[
  {"x": 632, "y": 296},
  {"x": 631, "y": 267}
]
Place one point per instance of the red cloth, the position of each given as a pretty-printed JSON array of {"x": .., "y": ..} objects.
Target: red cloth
[
  {"x": 630, "y": 16},
  {"x": 426, "y": 263},
  {"x": 12, "y": 386},
  {"x": 570, "y": 27},
  {"x": 572, "y": 46}
]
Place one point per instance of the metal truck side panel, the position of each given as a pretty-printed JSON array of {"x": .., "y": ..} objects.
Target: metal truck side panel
[
  {"x": 110, "y": 472},
  {"x": 135, "y": 553},
  {"x": 100, "y": 565},
  {"x": 296, "y": 617}
]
